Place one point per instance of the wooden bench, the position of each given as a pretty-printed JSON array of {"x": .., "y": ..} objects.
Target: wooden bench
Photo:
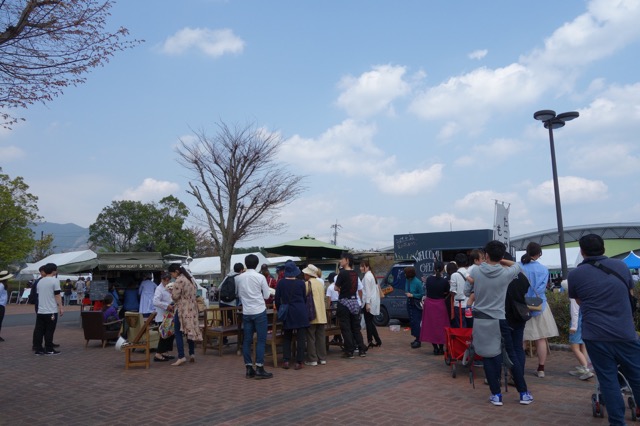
[
  {"x": 218, "y": 324},
  {"x": 140, "y": 341},
  {"x": 332, "y": 328},
  {"x": 275, "y": 338}
]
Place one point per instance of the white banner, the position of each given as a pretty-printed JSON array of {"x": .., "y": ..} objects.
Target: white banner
[{"x": 501, "y": 224}]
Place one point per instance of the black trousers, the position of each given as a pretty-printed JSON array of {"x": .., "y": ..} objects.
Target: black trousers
[
  {"x": 2, "y": 308},
  {"x": 45, "y": 327},
  {"x": 372, "y": 331},
  {"x": 350, "y": 329}
]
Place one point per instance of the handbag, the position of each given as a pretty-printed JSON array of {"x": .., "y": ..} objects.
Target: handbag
[
  {"x": 167, "y": 327},
  {"x": 283, "y": 309},
  {"x": 380, "y": 291},
  {"x": 533, "y": 303},
  {"x": 311, "y": 304}
]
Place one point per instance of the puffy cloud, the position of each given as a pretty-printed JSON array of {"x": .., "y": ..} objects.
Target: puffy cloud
[
  {"x": 10, "y": 153},
  {"x": 149, "y": 190},
  {"x": 485, "y": 200},
  {"x": 611, "y": 159},
  {"x": 478, "y": 54},
  {"x": 573, "y": 190},
  {"x": 373, "y": 91},
  {"x": 449, "y": 221},
  {"x": 212, "y": 43},
  {"x": 409, "y": 183}
]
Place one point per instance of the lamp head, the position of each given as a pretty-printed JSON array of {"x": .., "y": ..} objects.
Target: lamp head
[
  {"x": 568, "y": 116},
  {"x": 544, "y": 115}
]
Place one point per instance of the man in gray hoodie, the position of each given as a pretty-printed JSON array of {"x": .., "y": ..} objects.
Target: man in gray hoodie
[{"x": 491, "y": 280}]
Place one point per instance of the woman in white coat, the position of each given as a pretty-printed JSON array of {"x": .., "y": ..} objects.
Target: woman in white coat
[{"x": 371, "y": 299}]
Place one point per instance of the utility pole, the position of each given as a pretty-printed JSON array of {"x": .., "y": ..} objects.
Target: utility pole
[{"x": 335, "y": 232}]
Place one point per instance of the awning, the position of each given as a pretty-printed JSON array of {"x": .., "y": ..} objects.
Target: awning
[{"x": 143, "y": 261}]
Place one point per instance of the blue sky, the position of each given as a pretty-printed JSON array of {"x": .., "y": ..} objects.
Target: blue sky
[{"x": 406, "y": 117}]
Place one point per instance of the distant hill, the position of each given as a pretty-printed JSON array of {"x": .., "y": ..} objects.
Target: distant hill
[{"x": 66, "y": 237}]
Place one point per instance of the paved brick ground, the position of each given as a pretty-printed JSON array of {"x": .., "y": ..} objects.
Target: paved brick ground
[{"x": 392, "y": 385}]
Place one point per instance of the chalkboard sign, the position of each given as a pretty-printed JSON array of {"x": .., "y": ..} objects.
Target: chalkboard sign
[{"x": 98, "y": 290}]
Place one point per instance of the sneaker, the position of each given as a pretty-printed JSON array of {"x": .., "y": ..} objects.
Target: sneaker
[
  {"x": 311, "y": 363},
  {"x": 496, "y": 399},
  {"x": 525, "y": 398},
  {"x": 586, "y": 376},
  {"x": 52, "y": 352},
  {"x": 363, "y": 354},
  {"x": 323, "y": 362},
  {"x": 579, "y": 371},
  {"x": 39, "y": 352},
  {"x": 540, "y": 373},
  {"x": 348, "y": 355}
]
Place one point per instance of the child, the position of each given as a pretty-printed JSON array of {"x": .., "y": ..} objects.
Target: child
[
  {"x": 577, "y": 345},
  {"x": 109, "y": 312}
]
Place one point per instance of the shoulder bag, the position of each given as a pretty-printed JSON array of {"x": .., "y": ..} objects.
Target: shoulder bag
[
  {"x": 534, "y": 303},
  {"x": 632, "y": 299},
  {"x": 311, "y": 305}
]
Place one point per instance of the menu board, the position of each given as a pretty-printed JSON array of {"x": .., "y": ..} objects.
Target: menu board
[{"x": 98, "y": 290}]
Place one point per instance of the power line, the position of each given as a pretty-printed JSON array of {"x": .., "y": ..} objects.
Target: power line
[{"x": 335, "y": 227}]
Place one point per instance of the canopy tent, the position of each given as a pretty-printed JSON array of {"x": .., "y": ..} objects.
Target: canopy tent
[
  {"x": 551, "y": 257},
  {"x": 307, "y": 247},
  {"x": 142, "y": 261},
  {"x": 59, "y": 259},
  {"x": 632, "y": 260},
  {"x": 211, "y": 265}
]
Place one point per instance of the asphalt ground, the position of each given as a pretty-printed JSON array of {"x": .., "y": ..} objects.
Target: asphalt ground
[{"x": 393, "y": 385}]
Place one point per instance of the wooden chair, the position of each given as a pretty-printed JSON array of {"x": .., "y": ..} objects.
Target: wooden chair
[
  {"x": 218, "y": 324},
  {"x": 332, "y": 328},
  {"x": 95, "y": 328},
  {"x": 140, "y": 341},
  {"x": 135, "y": 320},
  {"x": 275, "y": 338}
]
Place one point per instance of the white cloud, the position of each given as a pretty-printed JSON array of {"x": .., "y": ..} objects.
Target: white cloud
[
  {"x": 449, "y": 221},
  {"x": 485, "y": 200},
  {"x": 611, "y": 159},
  {"x": 449, "y": 130},
  {"x": 373, "y": 91},
  {"x": 149, "y": 190},
  {"x": 573, "y": 190},
  {"x": 212, "y": 43},
  {"x": 476, "y": 96},
  {"x": 409, "y": 183},
  {"x": 478, "y": 54},
  {"x": 10, "y": 153}
]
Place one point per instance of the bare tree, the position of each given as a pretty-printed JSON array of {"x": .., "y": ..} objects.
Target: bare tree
[
  {"x": 47, "y": 45},
  {"x": 239, "y": 184}
]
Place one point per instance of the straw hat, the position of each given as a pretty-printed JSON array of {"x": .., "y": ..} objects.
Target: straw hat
[
  {"x": 4, "y": 275},
  {"x": 311, "y": 270}
]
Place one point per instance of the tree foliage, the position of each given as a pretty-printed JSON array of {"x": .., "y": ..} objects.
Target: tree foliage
[
  {"x": 42, "y": 248},
  {"x": 18, "y": 209},
  {"x": 134, "y": 226},
  {"x": 48, "y": 45},
  {"x": 238, "y": 183}
]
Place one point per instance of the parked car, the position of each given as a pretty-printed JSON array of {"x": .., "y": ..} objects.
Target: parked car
[{"x": 394, "y": 303}]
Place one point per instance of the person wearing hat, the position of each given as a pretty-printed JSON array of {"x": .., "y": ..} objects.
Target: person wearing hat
[
  {"x": 4, "y": 278},
  {"x": 292, "y": 292},
  {"x": 316, "y": 346}
]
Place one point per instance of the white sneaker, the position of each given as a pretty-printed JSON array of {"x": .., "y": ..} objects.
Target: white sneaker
[
  {"x": 525, "y": 398},
  {"x": 496, "y": 399},
  {"x": 579, "y": 371},
  {"x": 312, "y": 363},
  {"x": 586, "y": 376},
  {"x": 323, "y": 362},
  {"x": 540, "y": 374}
]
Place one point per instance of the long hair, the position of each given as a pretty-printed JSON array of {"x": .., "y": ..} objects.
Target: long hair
[
  {"x": 176, "y": 267},
  {"x": 533, "y": 249}
]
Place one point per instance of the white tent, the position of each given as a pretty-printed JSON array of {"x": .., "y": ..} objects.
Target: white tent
[
  {"x": 211, "y": 265},
  {"x": 59, "y": 259},
  {"x": 551, "y": 257}
]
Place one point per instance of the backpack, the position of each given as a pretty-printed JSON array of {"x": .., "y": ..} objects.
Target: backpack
[
  {"x": 515, "y": 307},
  {"x": 33, "y": 296},
  {"x": 228, "y": 289}
]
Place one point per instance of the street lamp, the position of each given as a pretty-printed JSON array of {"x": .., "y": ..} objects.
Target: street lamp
[{"x": 552, "y": 121}]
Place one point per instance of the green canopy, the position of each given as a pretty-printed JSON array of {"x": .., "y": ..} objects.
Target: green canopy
[{"x": 307, "y": 247}]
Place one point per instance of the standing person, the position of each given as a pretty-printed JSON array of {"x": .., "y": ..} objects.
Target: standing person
[
  {"x": 292, "y": 291},
  {"x": 146, "y": 291},
  {"x": 542, "y": 324},
  {"x": 435, "y": 316},
  {"x": 183, "y": 294},
  {"x": 332, "y": 297},
  {"x": 253, "y": 290},
  {"x": 414, "y": 292},
  {"x": 602, "y": 287},
  {"x": 163, "y": 303},
  {"x": 348, "y": 310},
  {"x": 49, "y": 307},
  {"x": 68, "y": 291},
  {"x": 81, "y": 288},
  {"x": 456, "y": 282},
  {"x": 33, "y": 298},
  {"x": 577, "y": 344},
  {"x": 316, "y": 345},
  {"x": 228, "y": 293},
  {"x": 4, "y": 279},
  {"x": 371, "y": 299},
  {"x": 264, "y": 270},
  {"x": 491, "y": 280}
]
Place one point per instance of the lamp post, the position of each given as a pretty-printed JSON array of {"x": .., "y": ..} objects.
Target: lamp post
[{"x": 552, "y": 121}]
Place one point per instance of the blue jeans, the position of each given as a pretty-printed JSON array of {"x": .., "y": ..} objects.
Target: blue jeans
[
  {"x": 180, "y": 338},
  {"x": 415, "y": 316},
  {"x": 513, "y": 346},
  {"x": 258, "y": 324},
  {"x": 605, "y": 357}
]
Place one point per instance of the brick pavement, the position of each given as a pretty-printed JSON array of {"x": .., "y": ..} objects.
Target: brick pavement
[{"x": 392, "y": 385}]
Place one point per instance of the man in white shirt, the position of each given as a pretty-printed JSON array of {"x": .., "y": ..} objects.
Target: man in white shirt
[
  {"x": 49, "y": 306},
  {"x": 253, "y": 290}
]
